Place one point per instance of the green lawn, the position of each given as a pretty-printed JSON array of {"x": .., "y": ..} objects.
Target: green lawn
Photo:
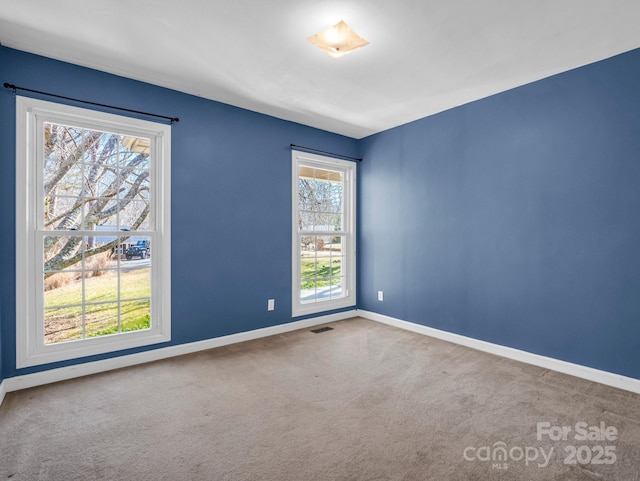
[
  {"x": 63, "y": 306},
  {"x": 317, "y": 272}
]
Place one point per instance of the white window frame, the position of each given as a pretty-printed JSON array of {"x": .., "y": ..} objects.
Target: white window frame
[
  {"x": 31, "y": 349},
  {"x": 348, "y": 170}
]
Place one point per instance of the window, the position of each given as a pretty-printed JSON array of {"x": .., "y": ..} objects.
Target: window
[
  {"x": 93, "y": 232},
  {"x": 323, "y": 233}
]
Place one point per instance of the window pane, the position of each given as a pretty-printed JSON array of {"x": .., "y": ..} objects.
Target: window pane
[
  {"x": 135, "y": 151},
  {"x": 107, "y": 215},
  {"x": 106, "y": 181},
  {"x": 137, "y": 248},
  {"x": 322, "y": 244},
  {"x": 62, "y": 213},
  {"x": 306, "y": 220},
  {"x": 101, "y": 285},
  {"x": 321, "y": 174},
  {"x": 308, "y": 270},
  {"x": 118, "y": 251},
  {"x": 101, "y": 319},
  {"x": 136, "y": 315},
  {"x": 336, "y": 266},
  {"x": 134, "y": 215},
  {"x": 63, "y": 324},
  {"x": 135, "y": 178},
  {"x": 321, "y": 262},
  {"x": 63, "y": 253},
  {"x": 135, "y": 283},
  {"x": 57, "y": 280},
  {"x": 97, "y": 149},
  {"x": 323, "y": 222},
  {"x": 335, "y": 222},
  {"x": 63, "y": 178},
  {"x": 336, "y": 243},
  {"x": 63, "y": 289},
  {"x": 91, "y": 212},
  {"x": 336, "y": 195},
  {"x": 61, "y": 144}
]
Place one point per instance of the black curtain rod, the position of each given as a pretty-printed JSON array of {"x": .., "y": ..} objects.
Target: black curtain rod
[
  {"x": 15, "y": 88},
  {"x": 293, "y": 146}
]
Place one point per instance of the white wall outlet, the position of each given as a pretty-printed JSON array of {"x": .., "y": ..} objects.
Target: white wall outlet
[
  {"x": 380, "y": 296},
  {"x": 271, "y": 304}
]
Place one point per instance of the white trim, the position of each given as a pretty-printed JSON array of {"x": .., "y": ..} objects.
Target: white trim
[
  {"x": 577, "y": 370},
  {"x": 3, "y": 391},
  {"x": 30, "y": 348},
  {"x": 349, "y": 172},
  {"x": 54, "y": 375}
]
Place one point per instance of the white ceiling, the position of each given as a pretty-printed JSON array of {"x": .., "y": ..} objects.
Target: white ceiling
[{"x": 425, "y": 56}]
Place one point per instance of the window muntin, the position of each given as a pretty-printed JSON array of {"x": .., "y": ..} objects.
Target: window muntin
[
  {"x": 324, "y": 206},
  {"x": 321, "y": 271},
  {"x": 92, "y": 187},
  {"x": 93, "y": 182}
]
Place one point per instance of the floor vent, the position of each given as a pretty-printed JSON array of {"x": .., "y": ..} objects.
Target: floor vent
[{"x": 321, "y": 329}]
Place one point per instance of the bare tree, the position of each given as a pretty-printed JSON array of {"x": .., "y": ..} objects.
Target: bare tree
[
  {"x": 91, "y": 178},
  {"x": 319, "y": 202}
]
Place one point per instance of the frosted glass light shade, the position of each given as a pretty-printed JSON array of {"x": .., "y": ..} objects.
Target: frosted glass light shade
[{"x": 338, "y": 40}]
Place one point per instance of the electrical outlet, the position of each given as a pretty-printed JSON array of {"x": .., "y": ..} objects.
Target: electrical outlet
[
  {"x": 380, "y": 296},
  {"x": 271, "y": 304}
]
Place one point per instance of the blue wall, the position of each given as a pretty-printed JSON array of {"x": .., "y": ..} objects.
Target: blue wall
[
  {"x": 231, "y": 200},
  {"x": 515, "y": 219}
]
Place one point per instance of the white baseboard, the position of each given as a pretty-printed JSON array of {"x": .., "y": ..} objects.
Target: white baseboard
[
  {"x": 577, "y": 370},
  {"x": 69, "y": 372},
  {"x": 45, "y": 377}
]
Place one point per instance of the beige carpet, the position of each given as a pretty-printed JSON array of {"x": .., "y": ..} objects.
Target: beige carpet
[{"x": 363, "y": 401}]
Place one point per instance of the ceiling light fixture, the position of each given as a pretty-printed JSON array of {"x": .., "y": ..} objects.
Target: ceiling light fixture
[{"x": 338, "y": 40}]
